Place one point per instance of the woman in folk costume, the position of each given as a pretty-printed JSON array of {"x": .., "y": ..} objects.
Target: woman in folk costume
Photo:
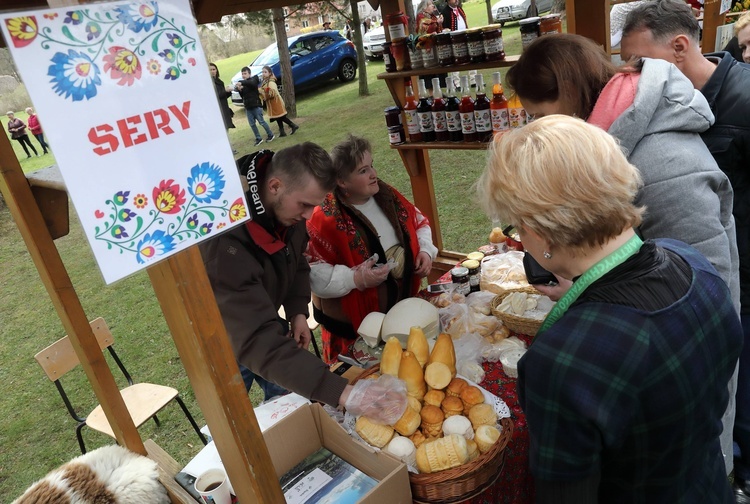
[
  {"x": 269, "y": 93},
  {"x": 429, "y": 20},
  {"x": 369, "y": 248}
]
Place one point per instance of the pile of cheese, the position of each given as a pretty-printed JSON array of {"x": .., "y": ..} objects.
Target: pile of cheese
[
  {"x": 530, "y": 306},
  {"x": 447, "y": 423}
]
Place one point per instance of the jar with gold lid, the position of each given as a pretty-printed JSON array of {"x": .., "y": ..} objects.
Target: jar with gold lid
[
  {"x": 475, "y": 44},
  {"x": 492, "y": 37},
  {"x": 460, "y": 49}
]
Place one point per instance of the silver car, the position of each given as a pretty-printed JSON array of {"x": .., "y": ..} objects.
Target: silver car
[
  {"x": 514, "y": 10},
  {"x": 372, "y": 42}
]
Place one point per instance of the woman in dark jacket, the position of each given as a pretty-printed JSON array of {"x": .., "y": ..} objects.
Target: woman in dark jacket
[{"x": 222, "y": 92}]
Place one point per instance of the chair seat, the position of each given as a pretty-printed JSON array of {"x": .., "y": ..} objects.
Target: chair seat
[{"x": 143, "y": 401}]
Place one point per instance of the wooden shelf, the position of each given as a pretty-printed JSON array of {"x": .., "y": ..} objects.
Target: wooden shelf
[
  {"x": 442, "y": 145},
  {"x": 508, "y": 61}
]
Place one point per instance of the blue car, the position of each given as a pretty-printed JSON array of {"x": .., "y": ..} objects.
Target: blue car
[{"x": 316, "y": 57}]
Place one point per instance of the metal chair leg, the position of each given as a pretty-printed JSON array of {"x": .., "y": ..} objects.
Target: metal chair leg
[
  {"x": 79, "y": 435},
  {"x": 156, "y": 421},
  {"x": 191, "y": 420}
]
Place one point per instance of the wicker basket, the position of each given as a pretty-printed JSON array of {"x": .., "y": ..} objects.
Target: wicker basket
[
  {"x": 462, "y": 482},
  {"x": 514, "y": 322}
]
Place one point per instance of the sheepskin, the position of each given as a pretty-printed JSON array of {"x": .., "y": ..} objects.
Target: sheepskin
[{"x": 108, "y": 475}]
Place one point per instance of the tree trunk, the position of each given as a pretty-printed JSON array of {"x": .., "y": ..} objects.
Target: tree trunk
[
  {"x": 490, "y": 18},
  {"x": 364, "y": 90},
  {"x": 287, "y": 81},
  {"x": 410, "y": 15}
]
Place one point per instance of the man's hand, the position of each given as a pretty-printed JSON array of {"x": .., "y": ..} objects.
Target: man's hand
[
  {"x": 300, "y": 331},
  {"x": 423, "y": 264}
]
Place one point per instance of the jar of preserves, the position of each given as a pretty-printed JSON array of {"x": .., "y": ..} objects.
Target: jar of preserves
[
  {"x": 396, "y": 135},
  {"x": 475, "y": 45},
  {"x": 401, "y": 54},
  {"x": 492, "y": 37},
  {"x": 444, "y": 48},
  {"x": 392, "y": 116},
  {"x": 460, "y": 49},
  {"x": 550, "y": 24},
  {"x": 426, "y": 44},
  {"x": 460, "y": 277},
  {"x": 415, "y": 55},
  {"x": 529, "y": 29},
  {"x": 390, "y": 63},
  {"x": 397, "y": 23},
  {"x": 474, "y": 270}
]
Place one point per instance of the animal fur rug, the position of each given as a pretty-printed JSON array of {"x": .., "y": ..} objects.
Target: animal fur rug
[{"x": 108, "y": 475}]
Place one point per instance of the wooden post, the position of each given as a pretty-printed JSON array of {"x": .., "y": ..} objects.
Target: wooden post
[
  {"x": 189, "y": 307},
  {"x": 711, "y": 20},
  {"x": 590, "y": 18}
]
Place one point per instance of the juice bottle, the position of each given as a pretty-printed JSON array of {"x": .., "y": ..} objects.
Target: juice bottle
[
  {"x": 410, "y": 113},
  {"x": 466, "y": 109},
  {"x": 452, "y": 115},
  {"x": 424, "y": 111},
  {"x": 439, "y": 120},
  {"x": 516, "y": 113},
  {"x": 498, "y": 106},
  {"x": 482, "y": 118}
]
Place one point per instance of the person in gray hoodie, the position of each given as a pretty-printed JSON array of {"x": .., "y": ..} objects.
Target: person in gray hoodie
[{"x": 657, "y": 116}]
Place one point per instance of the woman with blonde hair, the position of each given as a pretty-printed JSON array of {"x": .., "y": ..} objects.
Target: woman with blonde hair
[
  {"x": 269, "y": 93},
  {"x": 625, "y": 384}
]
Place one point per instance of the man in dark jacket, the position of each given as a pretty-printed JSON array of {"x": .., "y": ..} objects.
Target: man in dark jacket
[
  {"x": 668, "y": 30},
  {"x": 248, "y": 89},
  {"x": 454, "y": 17}
]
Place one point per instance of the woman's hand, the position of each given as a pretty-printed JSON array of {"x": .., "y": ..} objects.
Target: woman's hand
[
  {"x": 370, "y": 274},
  {"x": 555, "y": 292},
  {"x": 300, "y": 331},
  {"x": 423, "y": 264}
]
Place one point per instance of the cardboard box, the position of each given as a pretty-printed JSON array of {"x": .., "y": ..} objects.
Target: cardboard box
[{"x": 309, "y": 428}]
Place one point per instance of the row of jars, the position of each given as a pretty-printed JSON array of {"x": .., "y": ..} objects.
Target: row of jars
[{"x": 447, "y": 48}]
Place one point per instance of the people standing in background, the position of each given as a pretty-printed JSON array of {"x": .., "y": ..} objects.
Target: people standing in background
[
  {"x": 327, "y": 25},
  {"x": 454, "y": 17},
  {"x": 348, "y": 30},
  {"x": 666, "y": 29},
  {"x": 365, "y": 25},
  {"x": 429, "y": 20},
  {"x": 248, "y": 89},
  {"x": 223, "y": 93},
  {"x": 36, "y": 129},
  {"x": 269, "y": 92},
  {"x": 17, "y": 129}
]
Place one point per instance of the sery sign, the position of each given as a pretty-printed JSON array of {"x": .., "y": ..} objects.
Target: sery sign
[{"x": 124, "y": 93}]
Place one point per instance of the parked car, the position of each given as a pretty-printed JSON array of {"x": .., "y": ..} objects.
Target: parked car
[
  {"x": 316, "y": 57},
  {"x": 372, "y": 42},
  {"x": 513, "y": 10}
]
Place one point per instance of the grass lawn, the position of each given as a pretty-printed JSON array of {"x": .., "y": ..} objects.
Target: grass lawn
[{"x": 36, "y": 433}]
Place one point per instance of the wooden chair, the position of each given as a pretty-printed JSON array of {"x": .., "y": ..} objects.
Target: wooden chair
[{"x": 143, "y": 400}]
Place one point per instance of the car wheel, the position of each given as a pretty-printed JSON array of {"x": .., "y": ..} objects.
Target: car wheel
[
  {"x": 347, "y": 70},
  {"x": 532, "y": 11}
]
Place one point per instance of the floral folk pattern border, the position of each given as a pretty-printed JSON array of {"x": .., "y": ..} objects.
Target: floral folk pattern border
[
  {"x": 150, "y": 229},
  {"x": 115, "y": 42}
]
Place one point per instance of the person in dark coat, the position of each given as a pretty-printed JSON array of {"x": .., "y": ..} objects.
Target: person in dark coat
[{"x": 223, "y": 93}]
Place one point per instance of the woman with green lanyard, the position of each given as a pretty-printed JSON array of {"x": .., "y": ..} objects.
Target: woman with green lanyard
[{"x": 625, "y": 384}]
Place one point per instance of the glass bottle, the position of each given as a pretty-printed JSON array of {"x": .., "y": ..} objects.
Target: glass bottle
[
  {"x": 482, "y": 118},
  {"x": 410, "y": 112},
  {"x": 498, "y": 106},
  {"x": 466, "y": 108},
  {"x": 439, "y": 120},
  {"x": 424, "y": 111},
  {"x": 516, "y": 112},
  {"x": 452, "y": 115}
]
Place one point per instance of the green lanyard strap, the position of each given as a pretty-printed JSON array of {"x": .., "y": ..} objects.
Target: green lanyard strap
[{"x": 598, "y": 270}]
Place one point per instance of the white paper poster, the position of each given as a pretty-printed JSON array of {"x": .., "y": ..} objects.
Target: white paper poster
[{"x": 126, "y": 100}]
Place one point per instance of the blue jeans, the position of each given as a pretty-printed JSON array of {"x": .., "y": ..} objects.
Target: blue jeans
[
  {"x": 270, "y": 389},
  {"x": 742, "y": 417},
  {"x": 256, "y": 114}
]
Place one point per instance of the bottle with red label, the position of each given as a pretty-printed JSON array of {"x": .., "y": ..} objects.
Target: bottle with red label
[
  {"x": 410, "y": 113},
  {"x": 439, "y": 121},
  {"x": 482, "y": 118},
  {"x": 452, "y": 115},
  {"x": 424, "y": 111},
  {"x": 466, "y": 109},
  {"x": 498, "y": 106}
]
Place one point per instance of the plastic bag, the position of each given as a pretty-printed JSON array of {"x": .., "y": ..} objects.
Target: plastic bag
[
  {"x": 382, "y": 400},
  {"x": 454, "y": 319},
  {"x": 469, "y": 351}
]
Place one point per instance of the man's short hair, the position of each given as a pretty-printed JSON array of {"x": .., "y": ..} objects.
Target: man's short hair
[
  {"x": 246, "y": 69},
  {"x": 664, "y": 19},
  {"x": 348, "y": 154},
  {"x": 294, "y": 164}
]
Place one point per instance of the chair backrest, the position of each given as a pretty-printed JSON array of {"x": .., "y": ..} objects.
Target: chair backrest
[{"x": 59, "y": 358}]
